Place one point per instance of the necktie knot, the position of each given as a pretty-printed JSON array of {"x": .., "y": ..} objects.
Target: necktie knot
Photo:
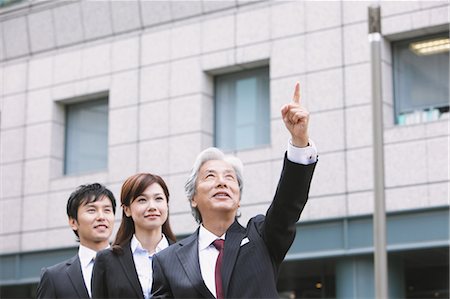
[
  {"x": 91, "y": 261},
  {"x": 219, "y": 243}
]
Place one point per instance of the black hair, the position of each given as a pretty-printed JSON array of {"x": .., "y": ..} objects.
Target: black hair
[{"x": 85, "y": 194}]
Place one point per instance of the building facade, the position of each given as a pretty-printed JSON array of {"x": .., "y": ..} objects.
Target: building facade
[{"x": 95, "y": 91}]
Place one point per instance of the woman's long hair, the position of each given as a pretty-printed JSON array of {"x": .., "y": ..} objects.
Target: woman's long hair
[{"x": 133, "y": 187}]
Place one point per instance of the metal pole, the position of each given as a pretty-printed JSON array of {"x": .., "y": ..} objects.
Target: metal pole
[{"x": 379, "y": 215}]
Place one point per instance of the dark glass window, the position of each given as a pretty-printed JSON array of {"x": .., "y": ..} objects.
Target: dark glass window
[
  {"x": 86, "y": 142},
  {"x": 242, "y": 109},
  {"x": 421, "y": 78}
]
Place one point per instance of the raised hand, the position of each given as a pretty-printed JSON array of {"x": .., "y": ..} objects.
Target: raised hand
[{"x": 296, "y": 119}]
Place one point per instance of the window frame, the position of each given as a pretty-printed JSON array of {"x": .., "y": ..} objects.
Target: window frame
[
  {"x": 262, "y": 75},
  {"x": 425, "y": 112},
  {"x": 103, "y": 103}
]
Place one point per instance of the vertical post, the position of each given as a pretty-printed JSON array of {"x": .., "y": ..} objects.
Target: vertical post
[{"x": 379, "y": 215}]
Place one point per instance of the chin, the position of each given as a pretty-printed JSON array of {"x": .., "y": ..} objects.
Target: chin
[
  {"x": 227, "y": 209},
  {"x": 104, "y": 236},
  {"x": 153, "y": 226}
]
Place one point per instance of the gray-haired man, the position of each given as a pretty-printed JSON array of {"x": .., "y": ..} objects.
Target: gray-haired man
[{"x": 222, "y": 259}]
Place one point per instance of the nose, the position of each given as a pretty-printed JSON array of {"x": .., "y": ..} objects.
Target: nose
[
  {"x": 221, "y": 181},
  {"x": 151, "y": 205},
  {"x": 101, "y": 215}
]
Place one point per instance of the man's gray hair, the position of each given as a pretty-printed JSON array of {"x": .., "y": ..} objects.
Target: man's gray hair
[{"x": 209, "y": 154}]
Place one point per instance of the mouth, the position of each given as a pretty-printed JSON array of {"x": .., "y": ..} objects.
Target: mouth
[
  {"x": 101, "y": 226},
  {"x": 221, "y": 195},
  {"x": 152, "y": 216}
]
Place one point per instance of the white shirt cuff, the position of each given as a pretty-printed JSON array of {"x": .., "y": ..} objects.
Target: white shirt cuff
[{"x": 302, "y": 155}]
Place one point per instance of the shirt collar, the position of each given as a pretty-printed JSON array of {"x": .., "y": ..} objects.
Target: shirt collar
[
  {"x": 86, "y": 255},
  {"x": 136, "y": 246},
  {"x": 205, "y": 238}
]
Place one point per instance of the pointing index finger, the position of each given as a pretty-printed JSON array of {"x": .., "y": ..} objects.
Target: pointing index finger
[{"x": 296, "y": 97}]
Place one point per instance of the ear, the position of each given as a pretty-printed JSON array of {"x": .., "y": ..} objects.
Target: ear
[
  {"x": 126, "y": 210},
  {"x": 73, "y": 223},
  {"x": 193, "y": 203}
]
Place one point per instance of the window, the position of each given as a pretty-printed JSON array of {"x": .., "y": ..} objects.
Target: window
[
  {"x": 242, "y": 109},
  {"x": 86, "y": 141},
  {"x": 4, "y": 3},
  {"x": 421, "y": 78}
]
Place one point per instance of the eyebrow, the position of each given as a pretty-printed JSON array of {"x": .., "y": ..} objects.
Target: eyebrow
[
  {"x": 151, "y": 194},
  {"x": 92, "y": 204},
  {"x": 225, "y": 171}
]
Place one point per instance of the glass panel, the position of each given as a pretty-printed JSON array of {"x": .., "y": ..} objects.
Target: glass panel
[
  {"x": 245, "y": 137},
  {"x": 225, "y": 116},
  {"x": 246, "y": 112},
  {"x": 263, "y": 134},
  {"x": 86, "y": 137},
  {"x": 246, "y": 108}
]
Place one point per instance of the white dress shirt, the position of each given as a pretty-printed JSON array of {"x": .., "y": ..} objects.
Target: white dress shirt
[
  {"x": 207, "y": 255},
  {"x": 87, "y": 257},
  {"x": 143, "y": 263},
  {"x": 302, "y": 155}
]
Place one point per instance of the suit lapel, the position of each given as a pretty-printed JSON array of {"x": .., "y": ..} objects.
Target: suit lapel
[
  {"x": 73, "y": 270},
  {"x": 127, "y": 263},
  {"x": 233, "y": 239},
  {"x": 188, "y": 255}
]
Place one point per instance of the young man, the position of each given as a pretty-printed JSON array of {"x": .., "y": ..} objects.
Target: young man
[
  {"x": 222, "y": 259},
  {"x": 91, "y": 210}
]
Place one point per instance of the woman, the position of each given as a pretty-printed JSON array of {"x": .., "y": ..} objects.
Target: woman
[{"x": 125, "y": 270}]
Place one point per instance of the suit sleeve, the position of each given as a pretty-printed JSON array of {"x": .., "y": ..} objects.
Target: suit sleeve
[
  {"x": 46, "y": 288},
  {"x": 290, "y": 198},
  {"x": 99, "y": 287},
  {"x": 160, "y": 286}
]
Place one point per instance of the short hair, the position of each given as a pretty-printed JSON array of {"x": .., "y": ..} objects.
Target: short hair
[
  {"x": 209, "y": 154},
  {"x": 85, "y": 194}
]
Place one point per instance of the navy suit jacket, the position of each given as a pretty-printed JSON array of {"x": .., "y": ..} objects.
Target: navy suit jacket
[
  {"x": 249, "y": 269},
  {"x": 63, "y": 280}
]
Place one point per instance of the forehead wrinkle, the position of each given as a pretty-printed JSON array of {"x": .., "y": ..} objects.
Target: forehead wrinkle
[{"x": 218, "y": 168}]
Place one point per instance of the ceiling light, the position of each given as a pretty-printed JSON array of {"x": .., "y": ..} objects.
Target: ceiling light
[{"x": 429, "y": 47}]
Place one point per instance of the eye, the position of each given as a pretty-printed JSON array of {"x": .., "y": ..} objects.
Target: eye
[
  {"x": 108, "y": 210},
  {"x": 91, "y": 210},
  {"x": 141, "y": 199},
  {"x": 230, "y": 177},
  {"x": 159, "y": 198},
  {"x": 209, "y": 175}
]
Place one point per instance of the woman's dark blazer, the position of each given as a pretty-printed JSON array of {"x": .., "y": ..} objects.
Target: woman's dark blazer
[{"x": 115, "y": 276}]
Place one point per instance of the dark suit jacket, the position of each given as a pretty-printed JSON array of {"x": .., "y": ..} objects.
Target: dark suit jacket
[
  {"x": 115, "y": 276},
  {"x": 249, "y": 270},
  {"x": 63, "y": 280}
]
